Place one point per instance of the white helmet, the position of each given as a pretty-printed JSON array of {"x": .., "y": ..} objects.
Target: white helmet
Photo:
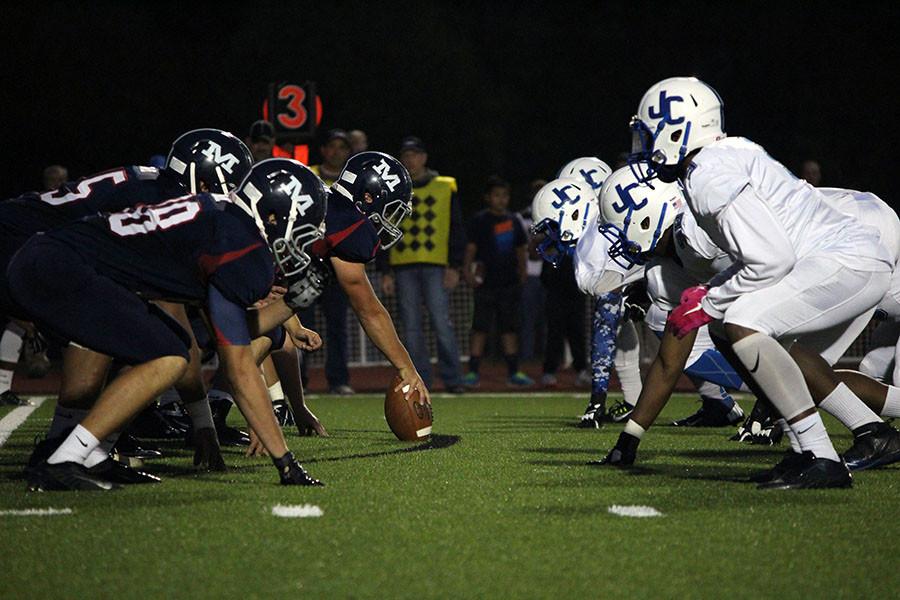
[
  {"x": 561, "y": 211},
  {"x": 634, "y": 213},
  {"x": 589, "y": 169},
  {"x": 676, "y": 116}
]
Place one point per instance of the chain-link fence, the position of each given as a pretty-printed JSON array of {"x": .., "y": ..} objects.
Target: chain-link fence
[{"x": 362, "y": 352}]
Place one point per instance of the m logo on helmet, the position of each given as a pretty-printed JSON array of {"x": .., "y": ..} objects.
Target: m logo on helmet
[
  {"x": 390, "y": 179},
  {"x": 563, "y": 196},
  {"x": 628, "y": 203},
  {"x": 665, "y": 109},
  {"x": 295, "y": 190},
  {"x": 214, "y": 153}
]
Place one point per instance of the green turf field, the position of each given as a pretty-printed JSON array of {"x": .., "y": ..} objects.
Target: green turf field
[{"x": 504, "y": 508}]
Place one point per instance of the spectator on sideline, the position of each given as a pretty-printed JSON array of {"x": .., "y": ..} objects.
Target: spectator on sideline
[
  {"x": 532, "y": 309},
  {"x": 359, "y": 141},
  {"x": 426, "y": 265},
  {"x": 53, "y": 177},
  {"x": 565, "y": 314},
  {"x": 335, "y": 150},
  {"x": 811, "y": 172},
  {"x": 261, "y": 140},
  {"x": 498, "y": 245}
]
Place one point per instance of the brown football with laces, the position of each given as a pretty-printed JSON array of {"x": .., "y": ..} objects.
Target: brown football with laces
[{"x": 410, "y": 420}]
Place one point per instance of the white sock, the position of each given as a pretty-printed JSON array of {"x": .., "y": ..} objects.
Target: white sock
[
  {"x": 847, "y": 408},
  {"x": 776, "y": 373},
  {"x": 628, "y": 362},
  {"x": 65, "y": 418},
  {"x": 632, "y": 428},
  {"x": 813, "y": 437},
  {"x": 892, "y": 402},
  {"x": 275, "y": 392},
  {"x": 791, "y": 436},
  {"x": 11, "y": 343},
  {"x": 6, "y": 377},
  {"x": 75, "y": 448},
  {"x": 200, "y": 414}
]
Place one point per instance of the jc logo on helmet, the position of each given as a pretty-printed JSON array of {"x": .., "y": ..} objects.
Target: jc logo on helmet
[
  {"x": 628, "y": 203},
  {"x": 665, "y": 109},
  {"x": 214, "y": 153},
  {"x": 563, "y": 196}
]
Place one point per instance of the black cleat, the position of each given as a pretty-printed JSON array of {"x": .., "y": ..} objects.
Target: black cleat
[
  {"x": 760, "y": 427},
  {"x": 874, "y": 445},
  {"x": 622, "y": 454},
  {"x": 283, "y": 413},
  {"x": 292, "y": 472},
  {"x": 43, "y": 448},
  {"x": 152, "y": 424},
  {"x": 9, "y": 398},
  {"x": 812, "y": 473},
  {"x": 619, "y": 412},
  {"x": 67, "y": 476},
  {"x": 231, "y": 436},
  {"x": 592, "y": 417},
  {"x": 130, "y": 447},
  {"x": 115, "y": 472},
  {"x": 791, "y": 461}
]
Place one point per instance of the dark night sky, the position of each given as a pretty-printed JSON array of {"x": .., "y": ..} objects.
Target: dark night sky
[{"x": 515, "y": 89}]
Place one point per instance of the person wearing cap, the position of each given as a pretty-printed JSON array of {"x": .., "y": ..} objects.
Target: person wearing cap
[
  {"x": 424, "y": 265},
  {"x": 261, "y": 140},
  {"x": 335, "y": 151},
  {"x": 359, "y": 141}
]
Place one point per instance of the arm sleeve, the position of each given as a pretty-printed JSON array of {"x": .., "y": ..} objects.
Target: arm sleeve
[
  {"x": 229, "y": 321},
  {"x": 759, "y": 245},
  {"x": 457, "y": 233}
]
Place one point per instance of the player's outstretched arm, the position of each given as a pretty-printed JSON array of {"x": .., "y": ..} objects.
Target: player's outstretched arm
[
  {"x": 655, "y": 393},
  {"x": 377, "y": 322}
]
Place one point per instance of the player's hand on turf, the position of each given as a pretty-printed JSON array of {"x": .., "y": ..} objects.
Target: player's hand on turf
[
  {"x": 308, "y": 424},
  {"x": 207, "y": 453},
  {"x": 622, "y": 454},
  {"x": 689, "y": 315},
  {"x": 410, "y": 377},
  {"x": 256, "y": 447},
  {"x": 307, "y": 339}
]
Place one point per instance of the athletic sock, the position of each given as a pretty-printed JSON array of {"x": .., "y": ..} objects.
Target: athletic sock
[
  {"x": 474, "y": 364},
  {"x": 6, "y": 377},
  {"x": 512, "y": 363},
  {"x": 101, "y": 452},
  {"x": 628, "y": 363},
  {"x": 776, "y": 373},
  {"x": 891, "y": 406},
  {"x": 791, "y": 436},
  {"x": 10, "y": 349},
  {"x": 634, "y": 429},
  {"x": 847, "y": 408},
  {"x": 65, "y": 419},
  {"x": 75, "y": 448},
  {"x": 813, "y": 437},
  {"x": 200, "y": 414},
  {"x": 276, "y": 393}
]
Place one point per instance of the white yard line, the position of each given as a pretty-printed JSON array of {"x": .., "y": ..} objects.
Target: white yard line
[
  {"x": 297, "y": 511},
  {"x": 36, "y": 512},
  {"x": 15, "y": 418}
]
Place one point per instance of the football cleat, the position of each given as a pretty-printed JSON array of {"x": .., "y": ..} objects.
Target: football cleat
[
  {"x": 619, "y": 412},
  {"x": 228, "y": 436},
  {"x": 66, "y": 476},
  {"x": 11, "y": 399},
  {"x": 790, "y": 461},
  {"x": 129, "y": 446},
  {"x": 622, "y": 454},
  {"x": 709, "y": 417},
  {"x": 594, "y": 413},
  {"x": 874, "y": 445},
  {"x": 116, "y": 472},
  {"x": 152, "y": 424},
  {"x": 810, "y": 472},
  {"x": 760, "y": 427},
  {"x": 519, "y": 379},
  {"x": 283, "y": 413},
  {"x": 292, "y": 472}
]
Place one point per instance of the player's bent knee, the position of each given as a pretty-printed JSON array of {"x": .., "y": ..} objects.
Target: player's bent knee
[{"x": 738, "y": 332}]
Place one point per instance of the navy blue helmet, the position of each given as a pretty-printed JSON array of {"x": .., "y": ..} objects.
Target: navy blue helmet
[
  {"x": 288, "y": 202},
  {"x": 208, "y": 157},
  {"x": 381, "y": 188}
]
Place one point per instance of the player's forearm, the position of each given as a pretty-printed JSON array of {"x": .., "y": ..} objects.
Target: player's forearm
[
  {"x": 379, "y": 326},
  {"x": 253, "y": 401},
  {"x": 268, "y": 317},
  {"x": 662, "y": 377}
]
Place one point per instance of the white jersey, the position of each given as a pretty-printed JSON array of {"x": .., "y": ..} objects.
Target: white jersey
[
  {"x": 595, "y": 272},
  {"x": 766, "y": 219},
  {"x": 870, "y": 210}
]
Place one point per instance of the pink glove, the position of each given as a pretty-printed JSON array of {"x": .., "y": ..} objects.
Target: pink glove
[{"x": 689, "y": 315}]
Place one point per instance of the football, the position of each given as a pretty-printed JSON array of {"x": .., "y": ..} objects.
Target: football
[{"x": 410, "y": 420}]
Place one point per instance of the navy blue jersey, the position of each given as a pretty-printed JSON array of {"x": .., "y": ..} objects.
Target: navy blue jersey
[
  {"x": 349, "y": 235},
  {"x": 177, "y": 250},
  {"x": 110, "y": 191}
]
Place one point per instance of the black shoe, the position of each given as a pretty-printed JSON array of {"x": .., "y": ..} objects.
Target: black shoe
[
  {"x": 292, "y": 472},
  {"x": 622, "y": 454},
  {"x": 619, "y": 412},
  {"x": 228, "y": 436},
  {"x": 129, "y": 446},
  {"x": 151, "y": 424},
  {"x": 592, "y": 417},
  {"x": 790, "y": 461},
  {"x": 175, "y": 415},
  {"x": 67, "y": 476},
  {"x": 812, "y": 473},
  {"x": 874, "y": 445},
  {"x": 115, "y": 472},
  {"x": 283, "y": 413},
  {"x": 43, "y": 448},
  {"x": 711, "y": 414},
  {"x": 9, "y": 398}
]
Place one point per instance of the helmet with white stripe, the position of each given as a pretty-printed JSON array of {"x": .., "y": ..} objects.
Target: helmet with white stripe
[
  {"x": 561, "y": 211},
  {"x": 589, "y": 169},
  {"x": 634, "y": 213},
  {"x": 675, "y": 117}
]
